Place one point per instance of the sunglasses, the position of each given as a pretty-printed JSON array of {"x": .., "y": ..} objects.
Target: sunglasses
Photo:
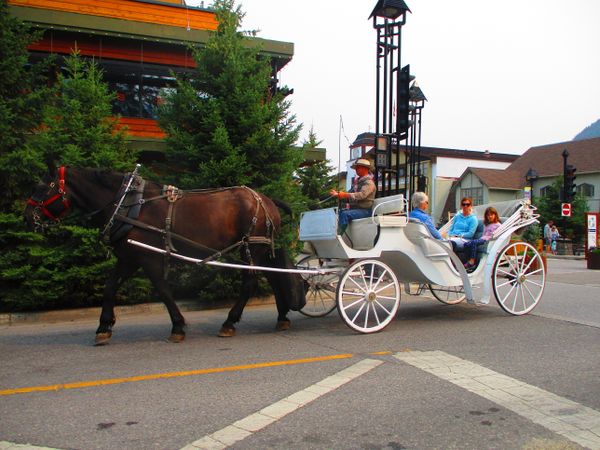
[{"x": 465, "y": 204}]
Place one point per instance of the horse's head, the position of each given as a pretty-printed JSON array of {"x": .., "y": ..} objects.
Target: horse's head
[{"x": 49, "y": 201}]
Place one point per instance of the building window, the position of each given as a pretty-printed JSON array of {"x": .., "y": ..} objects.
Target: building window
[
  {"x": 356, "y": 152},
  {"x": 475, "y": 193},
  {"x": 586, "y": 189},
  {"x": 544, "y": 191}
]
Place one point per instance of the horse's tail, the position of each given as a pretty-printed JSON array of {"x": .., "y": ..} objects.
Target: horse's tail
[{"x": 282, "y": 205}]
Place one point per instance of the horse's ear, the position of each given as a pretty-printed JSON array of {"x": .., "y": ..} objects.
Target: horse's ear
[{"x": 51, "y": 168}]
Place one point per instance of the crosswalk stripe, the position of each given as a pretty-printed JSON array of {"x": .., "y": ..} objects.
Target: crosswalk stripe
[
  {"x": 565, "y": 417},
  {"x": 254, "y": 422}
]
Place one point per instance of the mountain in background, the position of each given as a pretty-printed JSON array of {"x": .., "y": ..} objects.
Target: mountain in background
[{"x": 589, "y": 132}]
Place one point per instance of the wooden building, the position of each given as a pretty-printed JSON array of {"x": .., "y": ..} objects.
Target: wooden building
[{"x": 138, "y": 44}]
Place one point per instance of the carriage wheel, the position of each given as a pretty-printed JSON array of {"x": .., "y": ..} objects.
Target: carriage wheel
[
  {"x": 519, "y": 278},
  {"x": 368, "y": 296},
  {"x": 321, "y": 288},
  {"x": 450, "y": 295}
]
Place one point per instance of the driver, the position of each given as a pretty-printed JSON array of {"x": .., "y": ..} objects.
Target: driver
[{"x": 360, "y": 197}]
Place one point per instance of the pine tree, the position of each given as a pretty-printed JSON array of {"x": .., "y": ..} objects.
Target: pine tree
[
  {"x": 316, "y": 180},
  {"x": 227, "y": 125},
  {"x": 549, "y": 208},
  {"x": 78, "y": 125},
  {"x": 23, "y": 91}
]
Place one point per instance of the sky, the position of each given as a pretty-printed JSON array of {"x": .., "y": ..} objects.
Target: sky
[{"x": 501, "y": 76}]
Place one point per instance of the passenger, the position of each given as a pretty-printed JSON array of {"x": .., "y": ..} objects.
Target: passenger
[
  {"x": 420, "y": 203},
  {"x": 491, "y": 222},
  {"x": 463, "y": 226},
  {"x": 360, "y": 197}
]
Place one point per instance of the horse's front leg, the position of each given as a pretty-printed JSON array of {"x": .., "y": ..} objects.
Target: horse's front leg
[
  {"x": 155, "y": 270},
  {"x": 249, "y": 284},
  {"x": 122, "y": 271}
]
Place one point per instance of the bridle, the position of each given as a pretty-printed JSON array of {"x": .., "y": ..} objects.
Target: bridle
[{"x": 59, "y": 203}]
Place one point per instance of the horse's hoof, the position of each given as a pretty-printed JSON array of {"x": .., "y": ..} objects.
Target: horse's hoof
[
  {"x": 283, "y": 325},
  {"x": 176, "y": 338},
  {"x": 226, "y": 332},
  {"x": 103, "y": 338}
]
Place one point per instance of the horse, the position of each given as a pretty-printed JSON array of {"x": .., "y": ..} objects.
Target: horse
[{"x": 206, "y": 223}]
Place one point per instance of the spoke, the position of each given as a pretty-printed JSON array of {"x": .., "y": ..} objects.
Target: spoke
[
  {"x": 385, "y": 297},
  {"x": 376, "y": 315},
  {"x": 360, "y": 296},
  {"x": 391, "y": 283},
  {"x": 504, "y": 272},
  {"x": 523, "y": 296},
  {"x": 530, "y": 293},
  {"x": 371, "y": 282},
  {"x": 511, "y": 265},
  {"x": 383, "y": 307},
  {"x": 533, "y": 282},
  {"x": 534, "y": 272},
  {"x": 362, "y": 288},
  {"x": 507, "y": 294},
  {"x": 357, "y": 312},
  {"x": 354, "y": 302},
  {"x": 505, "y": 283},
  {"x": 530, "y": 263},
  {"x": 381, "y": 277}
]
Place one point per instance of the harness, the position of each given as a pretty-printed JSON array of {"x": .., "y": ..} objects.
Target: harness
[
  {"x": 128, "y": 207},
  {"x": 54, "y": 207}
]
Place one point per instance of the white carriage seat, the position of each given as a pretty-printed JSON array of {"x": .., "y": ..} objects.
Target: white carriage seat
[
  {"x": 417, "y": 233},
  {"x": 387, "y": 212}
]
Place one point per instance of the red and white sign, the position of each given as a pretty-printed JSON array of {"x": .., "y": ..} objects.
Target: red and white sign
[{"x": 566, "y": 209}]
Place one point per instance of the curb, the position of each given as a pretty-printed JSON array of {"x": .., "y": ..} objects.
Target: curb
[{"x": 81, "y": 314}]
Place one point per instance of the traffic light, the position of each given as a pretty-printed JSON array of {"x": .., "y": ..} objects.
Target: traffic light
[
  {"x": 403, "y": 107},
  {"x": 422, "y": 183},
  {"x": 570, "y": 186}
]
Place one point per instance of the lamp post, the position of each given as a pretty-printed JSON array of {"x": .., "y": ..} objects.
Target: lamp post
[
  {"x": 392, "y": 96},
  {"x": 530, "y": 177}
]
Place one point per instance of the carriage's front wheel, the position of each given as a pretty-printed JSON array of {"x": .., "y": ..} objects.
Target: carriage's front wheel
[
  {"x": 450, "y": 295},
  {"x": 368, "y": 296},
  {"x": 320, "y": 288},
  {"x": 519, "y": 278}
]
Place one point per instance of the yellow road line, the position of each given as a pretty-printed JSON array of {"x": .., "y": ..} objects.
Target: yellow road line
[{"x": 158, "y": 376}]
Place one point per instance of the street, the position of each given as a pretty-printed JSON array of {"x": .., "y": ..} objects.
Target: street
[{"x": 443, "y": 377}]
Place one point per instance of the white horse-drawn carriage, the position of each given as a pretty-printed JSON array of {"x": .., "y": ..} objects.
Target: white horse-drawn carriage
[{"x": 361, "y": 272}]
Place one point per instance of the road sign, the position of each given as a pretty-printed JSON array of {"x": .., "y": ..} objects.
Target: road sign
[{"x": 566, "y": 209}]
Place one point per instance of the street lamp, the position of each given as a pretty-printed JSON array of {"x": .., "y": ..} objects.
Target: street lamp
[
  {"x": 390, "y": 9},
  {"x": 530, "y": 177},
  {"x": 392, "y": 92}
]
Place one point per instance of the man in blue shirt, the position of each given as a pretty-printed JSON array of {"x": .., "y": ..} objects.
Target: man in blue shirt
[{"x": 420, "y": 203}]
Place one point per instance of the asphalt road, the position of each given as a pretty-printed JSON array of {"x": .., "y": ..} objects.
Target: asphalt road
[{"x": 439, "y": 377}]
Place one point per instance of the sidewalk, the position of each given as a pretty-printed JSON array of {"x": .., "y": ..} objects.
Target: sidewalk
[
  {"x": 93, "y": 314},
  {"x": 561, "y": 269}
]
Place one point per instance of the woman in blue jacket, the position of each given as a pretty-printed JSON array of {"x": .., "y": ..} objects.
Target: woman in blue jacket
[{"x": 463, "y": 226}]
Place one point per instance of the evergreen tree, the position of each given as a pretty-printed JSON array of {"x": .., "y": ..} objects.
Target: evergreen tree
[
  {"x": 316, "y": 180},
  {"x": 549, "y": 208},
  {"x": 67, "y": 266},
  {"x": 227, "y": 125},
  {"x": 23, "y": 91},
  {"x": 78, "y": 127}
]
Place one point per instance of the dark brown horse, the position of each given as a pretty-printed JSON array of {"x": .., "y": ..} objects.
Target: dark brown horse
[{"x": 200, "y": 223}]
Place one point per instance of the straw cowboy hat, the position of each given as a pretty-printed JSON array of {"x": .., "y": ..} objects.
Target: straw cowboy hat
[{"x": 362, "y": 162}]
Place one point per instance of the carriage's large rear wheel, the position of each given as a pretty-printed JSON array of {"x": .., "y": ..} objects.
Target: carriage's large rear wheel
[
  {"x": 450, "y": 295},
  {"x": 368, "y": 296},
  {"x": 320, "y": 288},
  {"x": 519, "y": 278}
]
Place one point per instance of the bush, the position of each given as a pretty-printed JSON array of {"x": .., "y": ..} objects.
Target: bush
[{"x": 65, "y": 268}]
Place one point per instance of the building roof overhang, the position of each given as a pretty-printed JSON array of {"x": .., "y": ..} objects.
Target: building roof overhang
[{"x": 280, "y": 52}]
